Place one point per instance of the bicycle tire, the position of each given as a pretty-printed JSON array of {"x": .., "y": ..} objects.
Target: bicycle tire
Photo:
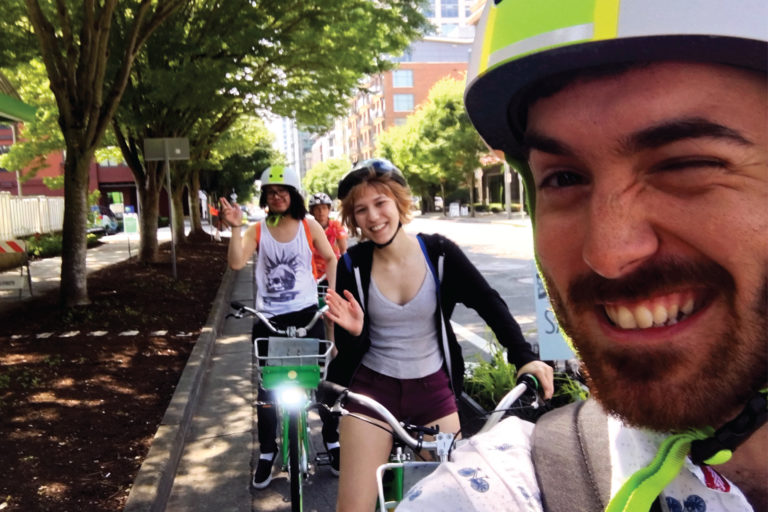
[{"x": 295, "y": 448}]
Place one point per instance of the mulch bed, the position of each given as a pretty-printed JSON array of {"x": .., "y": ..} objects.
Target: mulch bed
[{"x": 83, "y": 392}]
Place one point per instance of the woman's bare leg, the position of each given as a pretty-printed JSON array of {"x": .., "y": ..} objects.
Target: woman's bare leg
[{"x": 364, "y": 447}]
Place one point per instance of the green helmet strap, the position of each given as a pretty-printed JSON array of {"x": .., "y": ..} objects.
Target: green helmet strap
[{"x": 705, "y": 445}]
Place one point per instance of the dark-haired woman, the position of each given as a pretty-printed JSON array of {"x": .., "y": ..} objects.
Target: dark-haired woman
[{"x": 286, "y": 290}]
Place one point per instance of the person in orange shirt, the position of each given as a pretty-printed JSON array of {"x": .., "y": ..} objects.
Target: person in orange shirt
[{"x": 320, "y": 208}]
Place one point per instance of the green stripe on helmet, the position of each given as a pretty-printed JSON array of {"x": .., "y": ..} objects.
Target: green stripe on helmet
[{"x": 534, "y": 19}]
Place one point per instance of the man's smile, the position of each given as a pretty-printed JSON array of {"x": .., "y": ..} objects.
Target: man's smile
[{"x": 661, "y": 311}]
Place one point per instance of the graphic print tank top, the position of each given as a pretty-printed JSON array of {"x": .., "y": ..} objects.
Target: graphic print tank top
[{"x": 284, "y": 280}]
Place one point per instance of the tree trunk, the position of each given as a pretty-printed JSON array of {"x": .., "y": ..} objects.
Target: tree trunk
[
  {"x": 73, "y": 290},
  {"x": 472, "y": 194},
  {"x": 177, "y": 216},
  {"x": 149, "y": 211},
  {"x": 194, "y": 203},
  {"x": 445, "y": 199}
]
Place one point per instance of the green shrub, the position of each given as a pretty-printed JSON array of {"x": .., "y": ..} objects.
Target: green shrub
[
  {"x": 486, "y": 382},
  {"x": 49, "y": 245}
]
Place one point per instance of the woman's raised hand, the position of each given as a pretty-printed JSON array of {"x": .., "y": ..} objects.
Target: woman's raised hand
[
  {"x": 345, "y": 311},
  {"x": 231, "y": 213}
]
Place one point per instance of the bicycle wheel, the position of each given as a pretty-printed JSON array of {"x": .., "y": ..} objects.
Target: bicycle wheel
[{"x": 295, "y": 450}]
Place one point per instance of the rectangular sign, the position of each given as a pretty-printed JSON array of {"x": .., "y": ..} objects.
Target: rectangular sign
[
  {"x": 155, "y": 149},
  {"x": 552, "y": 345},
  {"x": 12, "y": 282},
  {"x": 131, "y": 223}
]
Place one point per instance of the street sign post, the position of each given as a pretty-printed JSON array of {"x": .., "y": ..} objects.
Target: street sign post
[
  {"x": 167, "y": 149},
  {"x": 552, "y": 345},
  {"x": 130, "y": 225}
]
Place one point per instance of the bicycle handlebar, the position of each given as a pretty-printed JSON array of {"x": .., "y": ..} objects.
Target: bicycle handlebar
[
  {"x": 526, "y": 383},
  {"x": 292, "y": 331}
]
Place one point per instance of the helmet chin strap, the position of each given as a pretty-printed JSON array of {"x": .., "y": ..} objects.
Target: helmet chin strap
[
  {"x": 273, "y": 219},
  {"x": 381, "y": 246},
  {"x": 705, "y": 445}
]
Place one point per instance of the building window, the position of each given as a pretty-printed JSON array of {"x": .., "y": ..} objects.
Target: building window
[
  {"x": 447, "y": 28},
  {"x": 402, "y": 102},
  {"x": 449, "y": 8},
  {"x": 399, "y": 121},
  {"x": 402, "y": 78}
]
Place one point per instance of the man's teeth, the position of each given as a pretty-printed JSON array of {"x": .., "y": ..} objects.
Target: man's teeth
[{"x": 648, "y": 315}]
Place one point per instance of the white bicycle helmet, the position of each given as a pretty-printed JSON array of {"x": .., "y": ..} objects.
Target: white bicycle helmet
[
  {"x": 319, "y": 198},
  {"x": 281, "y": 175},
  {"x": 521, "y": 42}
]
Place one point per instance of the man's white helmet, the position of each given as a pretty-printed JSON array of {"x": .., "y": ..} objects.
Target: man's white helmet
[{"x": 519, "y": 43}]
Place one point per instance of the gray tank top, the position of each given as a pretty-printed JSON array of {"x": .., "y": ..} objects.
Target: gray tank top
[{"x": 404, "y": 342}]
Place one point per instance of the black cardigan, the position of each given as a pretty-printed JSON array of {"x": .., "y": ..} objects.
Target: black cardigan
[{"x": 461, "y": 282}]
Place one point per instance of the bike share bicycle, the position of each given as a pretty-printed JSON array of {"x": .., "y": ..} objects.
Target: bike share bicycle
[
  {"x": 390, "y": 476},
  {"x": 292, "y": 365}
]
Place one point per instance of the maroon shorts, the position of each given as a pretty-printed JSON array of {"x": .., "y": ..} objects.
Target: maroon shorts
[{"x": 417, "y": 401}]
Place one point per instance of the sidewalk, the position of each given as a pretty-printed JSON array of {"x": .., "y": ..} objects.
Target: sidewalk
[{"x": 46, "y": 273}]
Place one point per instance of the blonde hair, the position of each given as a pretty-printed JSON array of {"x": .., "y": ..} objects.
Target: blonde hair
[{"x": 384, "y": 184}]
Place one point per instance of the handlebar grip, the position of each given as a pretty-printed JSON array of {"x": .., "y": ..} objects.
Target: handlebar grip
[
  {"x": 236, "y": 305},
  {"x": 331, "y": 387},
  {"x": 530, "y": 381}
]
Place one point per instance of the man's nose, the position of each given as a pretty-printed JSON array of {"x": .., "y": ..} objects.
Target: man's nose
[{"x": 619, "y": 234}]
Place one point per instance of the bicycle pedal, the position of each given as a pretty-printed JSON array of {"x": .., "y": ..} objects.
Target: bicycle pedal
[{"x": 322, "y": 459}]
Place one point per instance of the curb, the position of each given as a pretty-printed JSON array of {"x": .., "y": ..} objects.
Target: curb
[{"x": 152, "y": 485}]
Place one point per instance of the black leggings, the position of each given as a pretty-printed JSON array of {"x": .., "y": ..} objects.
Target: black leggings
[{"x": 266, "y": 415}]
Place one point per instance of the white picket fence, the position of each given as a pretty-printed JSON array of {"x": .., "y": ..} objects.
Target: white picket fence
[{"x": 24, "y": 216}]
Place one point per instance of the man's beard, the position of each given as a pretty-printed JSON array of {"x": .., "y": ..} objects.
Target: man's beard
[{"x": 670, "y": 387}]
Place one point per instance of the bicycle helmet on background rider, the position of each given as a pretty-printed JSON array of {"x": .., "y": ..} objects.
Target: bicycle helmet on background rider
[
  {"x": 319, "y": 198},
  {"x": 360, "y": 170},
  {"x": 521, "y": 43},
  {"x": 283, "y": 176}
]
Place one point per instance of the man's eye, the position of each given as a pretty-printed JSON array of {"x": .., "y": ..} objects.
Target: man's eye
[
  {"x": 562, "y": 179},
  {"x": 690, "y": 163}
]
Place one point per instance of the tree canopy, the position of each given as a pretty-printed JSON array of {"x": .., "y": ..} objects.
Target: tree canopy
[
  {"x": 437, "y": 148},
  {"x": 214, "y": 62},
  {"x": 325, "y": 176}
]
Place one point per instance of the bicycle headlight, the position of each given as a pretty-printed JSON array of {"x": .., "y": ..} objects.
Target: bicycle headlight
[{"x": 291, "y": 396}]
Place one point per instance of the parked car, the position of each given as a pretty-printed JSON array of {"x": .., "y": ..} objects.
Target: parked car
[
  {"x": 103, "y": 219},
  {"x": 438, "y": 204}
]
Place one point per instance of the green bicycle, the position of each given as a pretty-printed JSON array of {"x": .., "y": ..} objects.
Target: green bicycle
[{"x": 294, "y": 367}]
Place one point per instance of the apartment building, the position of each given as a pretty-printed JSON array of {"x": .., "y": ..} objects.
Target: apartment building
[{"x": 388, "y": 98}]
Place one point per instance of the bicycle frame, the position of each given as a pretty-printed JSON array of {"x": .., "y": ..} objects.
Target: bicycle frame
[
  {"x": 293, "y": 369},
  {"x": 293, "y": 366}
]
